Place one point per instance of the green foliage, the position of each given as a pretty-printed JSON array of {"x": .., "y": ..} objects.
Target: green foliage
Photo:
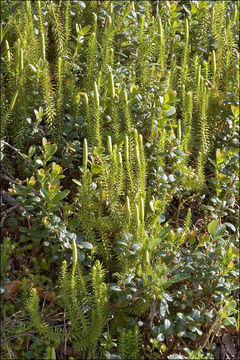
[
  {"x": 119, "y": 166},
  {"x": 49, "y": 335},
  {"x": 86, "y": 310},
  {"x": 129, "y": 344},
  {"x": 7, "y": 249}
]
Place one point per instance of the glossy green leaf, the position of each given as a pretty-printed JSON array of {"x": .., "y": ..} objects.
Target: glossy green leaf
[
  {"x": 60, "y": 196},
  {"x": 212, "y": 226}
]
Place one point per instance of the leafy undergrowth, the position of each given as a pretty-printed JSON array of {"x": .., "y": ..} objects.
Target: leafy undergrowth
[{"x": 119, "y": 180}]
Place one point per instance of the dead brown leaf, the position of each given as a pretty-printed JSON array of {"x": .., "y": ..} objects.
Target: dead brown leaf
[
  {"x": 228, "y": 346},
  {"x": 12, "y": 288}
]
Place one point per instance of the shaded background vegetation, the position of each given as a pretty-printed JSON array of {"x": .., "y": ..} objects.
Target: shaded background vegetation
[{"x": 127, "y": 240}]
